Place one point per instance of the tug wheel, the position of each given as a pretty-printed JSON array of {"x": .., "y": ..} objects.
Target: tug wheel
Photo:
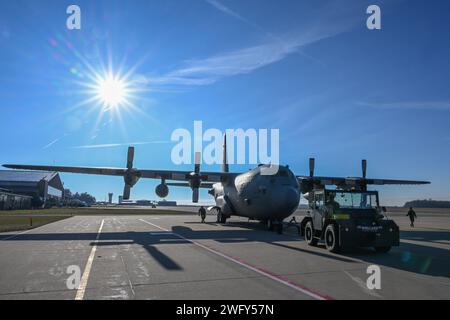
[
  {"x": 331, "y": 239},
  {"x": 309, "y": 234}
]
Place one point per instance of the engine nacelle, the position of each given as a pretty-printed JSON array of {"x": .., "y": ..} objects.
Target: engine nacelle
[{"x": 162, "y": 190}]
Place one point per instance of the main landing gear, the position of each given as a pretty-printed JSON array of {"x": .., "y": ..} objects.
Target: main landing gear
[
  {"x": 221, "y": 218},
  {"x": 274, "y": 225}
]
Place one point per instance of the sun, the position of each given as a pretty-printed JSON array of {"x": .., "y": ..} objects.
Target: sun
[{"x": 112, "y": 91}]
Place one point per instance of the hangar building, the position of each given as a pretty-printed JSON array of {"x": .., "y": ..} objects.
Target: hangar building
[
  {"x": 39, "y": 185},
  {"x": 11, "y": 201}
]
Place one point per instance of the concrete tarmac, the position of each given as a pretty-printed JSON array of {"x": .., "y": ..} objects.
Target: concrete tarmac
[{"x": 177, "y": 257}]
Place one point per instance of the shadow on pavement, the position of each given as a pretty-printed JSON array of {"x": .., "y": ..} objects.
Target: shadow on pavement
[{"x": 415, "y": 258}]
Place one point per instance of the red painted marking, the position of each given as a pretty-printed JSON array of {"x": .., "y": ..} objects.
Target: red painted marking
[{"x": 269, "y": 274}]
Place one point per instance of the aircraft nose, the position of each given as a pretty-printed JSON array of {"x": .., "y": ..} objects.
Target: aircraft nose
[{"x": 286, "y": 199}]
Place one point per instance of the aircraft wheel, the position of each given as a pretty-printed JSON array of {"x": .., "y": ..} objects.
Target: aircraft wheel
[
  {"x": 219, "y": 216},
  {"x": 331, "y": 239},
  {"x": 280, "y": 227},
  {"x": 270, "y": 225},
  {"x": 383, "y": 249},
  {"x": 309, "y": 234}
]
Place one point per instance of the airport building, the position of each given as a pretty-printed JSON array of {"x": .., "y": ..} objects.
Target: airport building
[
  {"x": 11, "y": 201},
  {"x": 41, "y": 187},
  {"x": 165, "y": 203}
]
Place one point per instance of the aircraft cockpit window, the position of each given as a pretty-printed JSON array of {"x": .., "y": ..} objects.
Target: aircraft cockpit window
[{"x": 282, "y": 172}]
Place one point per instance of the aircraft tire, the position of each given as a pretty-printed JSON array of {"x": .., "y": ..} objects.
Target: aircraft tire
[
  {"x": 270, "y": 225},
  {"x": 279, "y": 227},
  {"x": 331, "y": 239},
  {"x": 383, "y": 249},
  {"x": 219, "y": 216}
]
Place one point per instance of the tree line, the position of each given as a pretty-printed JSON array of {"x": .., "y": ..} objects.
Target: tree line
[{"x": 427, "y": 204}]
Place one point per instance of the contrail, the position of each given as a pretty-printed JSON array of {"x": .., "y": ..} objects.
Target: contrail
[{"x": 112, "y": 145}]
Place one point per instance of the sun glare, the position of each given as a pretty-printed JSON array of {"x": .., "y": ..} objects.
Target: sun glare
[{"x": 112, "y": 91}]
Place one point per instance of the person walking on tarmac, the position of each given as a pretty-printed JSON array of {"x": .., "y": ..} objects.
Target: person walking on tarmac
[
  {"x": 412, "y": 215},
  {"x": 202, "y": 213}
]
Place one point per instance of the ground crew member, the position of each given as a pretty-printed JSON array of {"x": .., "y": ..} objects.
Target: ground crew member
[
  {"x": 202, "y": 213},
  {"x": 332, "y": 206},
  {"x": 412, "y": 215}
]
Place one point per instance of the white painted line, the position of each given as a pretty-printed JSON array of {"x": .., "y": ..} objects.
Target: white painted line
[
  {"x": 244, "y": 264},
  {"x": 363, "y": 285},
  {"x": 87, "y": 270}
]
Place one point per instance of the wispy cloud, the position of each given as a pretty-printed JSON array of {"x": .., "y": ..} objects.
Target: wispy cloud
[
  {"x": 221, "y": 7},
  {"x": 113, "y": 145},
  {"x": 199, "y": 72},
  {"x": 51, "y": 143},
  {"x": 48, "y": 145},
  {"x": 208, "y": 70},
  {"x": 229, "y": 12},
  {"x": 408, "y": 105}
]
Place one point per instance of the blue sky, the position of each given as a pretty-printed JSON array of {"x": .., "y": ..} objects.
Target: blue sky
[{"x": 335, "y": 90}]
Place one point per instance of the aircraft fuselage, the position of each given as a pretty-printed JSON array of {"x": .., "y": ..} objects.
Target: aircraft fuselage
[{"x": 257, "y": 196}]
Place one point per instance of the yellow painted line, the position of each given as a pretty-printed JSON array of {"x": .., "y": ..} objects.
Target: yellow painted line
[{"x": 87, "y": 270}]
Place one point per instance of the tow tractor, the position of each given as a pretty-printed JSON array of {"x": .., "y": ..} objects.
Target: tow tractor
[
  {"x": 345, "y": 214},
  {"x": 346, "y": 219}
]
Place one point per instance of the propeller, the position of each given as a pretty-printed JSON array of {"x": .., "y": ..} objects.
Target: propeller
[
  {"x": 195, "y": 195},
  {"x": 311, "y": 167},
  {"x": 308, "y": 184},
  {"x": 364, "y": 167},
  {"x": 130, "y": 178},
  {"x": 126, "y": 191},
  {"x": 130, "y": 157},
  {"x": 195, "y": 178},
  {"x": 364, "y": 171}
]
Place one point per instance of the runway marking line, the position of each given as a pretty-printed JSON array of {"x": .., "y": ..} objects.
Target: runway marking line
[
  {"x": 87, "y": 270},
  {"x": 266, "y": 273}
]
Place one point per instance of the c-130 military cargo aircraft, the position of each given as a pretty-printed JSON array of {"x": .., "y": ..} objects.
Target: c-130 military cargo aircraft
[{"x": 267, "y": 198}]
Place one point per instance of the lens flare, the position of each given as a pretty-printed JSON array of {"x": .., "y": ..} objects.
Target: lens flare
[{"x": 112, "y": 91}]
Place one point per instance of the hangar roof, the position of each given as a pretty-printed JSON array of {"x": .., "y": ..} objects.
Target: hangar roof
[
  {"x": 11, "y": 178},
  {"x": 26, "y": 176}
]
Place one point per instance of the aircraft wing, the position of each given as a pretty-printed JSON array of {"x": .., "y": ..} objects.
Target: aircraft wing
[
  {"x": 383, "y": 181},
  {"x": 184, "y": 175},
  {"x": 86, "y": 170},
  {"x": 192, "y": 179},
  {"x": 151, "y": 174},
  {"x": 354, "y": 181},
  {"x": 206, "y": 185},
  {"x": 307, "y": 183}
]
